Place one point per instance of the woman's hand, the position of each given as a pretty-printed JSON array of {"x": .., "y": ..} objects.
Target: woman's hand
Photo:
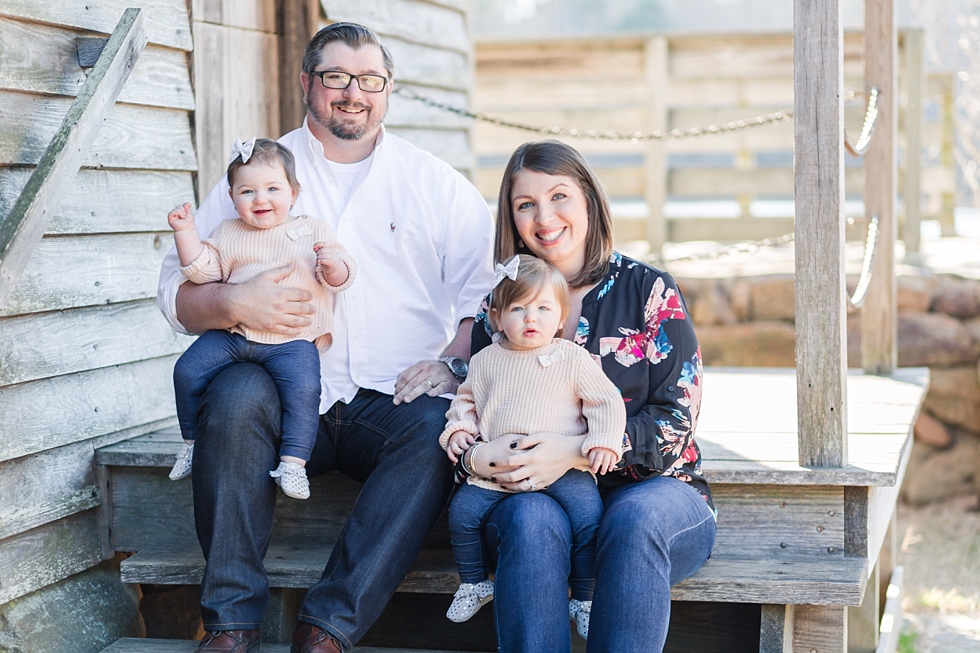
[{"x": 536, "y": 461}]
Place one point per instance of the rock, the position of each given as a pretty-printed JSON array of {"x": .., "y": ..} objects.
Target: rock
[
  {"x": 954, "y": 396},
  {"x": 81, "y": 614},
  {"x": 933, "y": 475},
  {"x": 931, "y": 431},
  {"x": 712, "y": 306},
  {"x": 933, "y": 339},
  {"x": 973, "y": 326},
  {"x": 739, "y": 297},
  {"x": 957, "y": 297},
  {"x": 915, "y": 293},
  {"x": 772, "y": 297},
  {"x": 754, "y": 344}
]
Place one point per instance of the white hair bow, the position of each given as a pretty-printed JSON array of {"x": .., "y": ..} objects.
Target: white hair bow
[
  {"x": 240, "y": 149},
  {"x": 508, "y": 270}
]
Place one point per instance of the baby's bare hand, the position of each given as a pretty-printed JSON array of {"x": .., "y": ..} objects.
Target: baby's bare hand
[
  {"x": 181, "y": 218},
  {"x": 602, "y": 460},
  {"x": 459, "y": 443}
]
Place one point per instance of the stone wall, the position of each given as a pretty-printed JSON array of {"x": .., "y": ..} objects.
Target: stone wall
[{"x": 749, "y": 321}]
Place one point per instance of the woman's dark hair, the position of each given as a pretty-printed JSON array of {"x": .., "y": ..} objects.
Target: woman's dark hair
[
  {"x": 553, "y": 157},
  {"x": 353, "y": 36},
  {"x": 533, "y": 274},
  {"x": 269, "y": 152}
]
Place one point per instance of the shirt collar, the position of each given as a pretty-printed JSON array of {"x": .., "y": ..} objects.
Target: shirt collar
[{"x": 316, "y": 147}]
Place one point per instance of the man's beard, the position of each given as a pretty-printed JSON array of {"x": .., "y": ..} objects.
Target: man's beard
[{"x": 347, "y": 129}]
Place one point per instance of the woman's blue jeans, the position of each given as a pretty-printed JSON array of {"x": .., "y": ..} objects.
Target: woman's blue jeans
[
  {"x": 294, "y": 366},
  {"x": 393, "y": 450},
  {"x": 575, "y": 492},
  {"x": 653, "y": 534}
]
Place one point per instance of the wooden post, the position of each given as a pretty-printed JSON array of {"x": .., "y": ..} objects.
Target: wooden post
[
  {"x": 879, "y": 350},
  {"x": 820, "y": 628},
  {"x": 24, "y": 226},
  {"x": 821, "y": 334},
  {"x": 912, "y": 192},
  {"x": 655, "y": 55},
  {"x": 947, "y": 156},
  {"x": 296, "y": 24}
]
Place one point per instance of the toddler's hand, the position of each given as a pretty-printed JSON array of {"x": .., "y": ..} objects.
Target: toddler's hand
[
  {"x": 459, "y": 442},
  {"x": 602, "y": 460},
  {"x": 326, "y": 258},
  {"x": 181, "y": 218}
]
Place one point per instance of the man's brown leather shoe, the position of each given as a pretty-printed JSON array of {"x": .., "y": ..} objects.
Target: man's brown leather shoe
[
  {"x": 230, "y": 641},
  {"x": 308, "y": 638}
]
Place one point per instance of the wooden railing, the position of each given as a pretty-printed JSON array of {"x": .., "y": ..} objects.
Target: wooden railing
[{"x": 24, "y": 227}]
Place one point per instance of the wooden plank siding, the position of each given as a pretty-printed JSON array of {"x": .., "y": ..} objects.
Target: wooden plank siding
[
  {"x": 602, "y": 83},
  {"x": 85, "y": 356}
]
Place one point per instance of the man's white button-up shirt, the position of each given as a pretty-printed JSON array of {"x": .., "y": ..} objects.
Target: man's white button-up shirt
[{"x": 422, "y": 238}]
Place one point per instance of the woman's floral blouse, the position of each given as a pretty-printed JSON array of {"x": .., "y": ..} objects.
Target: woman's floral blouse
[{"x": 635, "y": 323}]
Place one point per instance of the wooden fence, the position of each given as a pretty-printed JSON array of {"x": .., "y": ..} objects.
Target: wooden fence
[{"x": 658, "y": 82}]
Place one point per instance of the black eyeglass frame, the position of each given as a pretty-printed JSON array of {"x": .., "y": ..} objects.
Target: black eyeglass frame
[{"x": 321, "y": 73}]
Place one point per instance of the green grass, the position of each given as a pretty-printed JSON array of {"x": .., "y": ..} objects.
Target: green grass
[{"x": 906, "y": 642}]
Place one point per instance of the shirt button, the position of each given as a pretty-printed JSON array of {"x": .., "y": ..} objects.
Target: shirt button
[{"x": 670, "y": 388}]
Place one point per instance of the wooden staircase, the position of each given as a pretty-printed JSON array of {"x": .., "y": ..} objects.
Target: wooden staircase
[{"x": 787, "y": 536}]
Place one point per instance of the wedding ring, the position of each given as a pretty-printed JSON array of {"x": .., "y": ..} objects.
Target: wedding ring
[
  {"x": 430, "y": 383},
  {"x": 533, "y": 486}
]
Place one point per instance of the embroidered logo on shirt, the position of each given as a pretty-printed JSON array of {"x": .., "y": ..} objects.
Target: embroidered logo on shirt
[
  {"x": 299, "y": 232},
  {"x": 547, "y": 359}
]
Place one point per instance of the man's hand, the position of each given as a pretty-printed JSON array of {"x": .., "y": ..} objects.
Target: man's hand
[
  {"x": 459, "y": 443},
  {"x": 424, "y": 378},
  {"x": 181, "y": 218},
  {"x": 602, "y": 460},
  {"x": 261, "y": 304}
]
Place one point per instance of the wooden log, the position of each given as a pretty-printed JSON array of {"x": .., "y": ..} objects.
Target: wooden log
[
  {"x": 912, "y": 188},
  {"x": 108, "y": 201},
  {"x": 133, "y": 137},
  {"x": 64, "y": 342},
  {"x": 424, "y": 23},
  {"x": 47, "y": 487},
  {"x": 820, "y": 628},
  {"x": 656, "y": 57},
  {"x": 166, "y": 20},
  {"x": 159, "y": 78},
  {"x": 90, "y": 404},
  {"x": 821, "y": 349},
  {"x": 297, "y": 21},
  {"x": 23, "y": 228},
  {"x": 49, "y": 553},
  {"x": 98, "y": 270},
  {"x": 879, "y": 342}
]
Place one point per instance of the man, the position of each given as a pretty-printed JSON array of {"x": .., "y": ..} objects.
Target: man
[{"x": 421, "y": 236}]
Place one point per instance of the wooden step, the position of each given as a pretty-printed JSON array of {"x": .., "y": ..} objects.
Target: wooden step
[
  {"x": 134, "y": 645},
  {"x": 835, "y": 581}
]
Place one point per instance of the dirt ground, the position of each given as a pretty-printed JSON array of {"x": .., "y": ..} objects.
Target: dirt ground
[{"x": 940, "y": 551}]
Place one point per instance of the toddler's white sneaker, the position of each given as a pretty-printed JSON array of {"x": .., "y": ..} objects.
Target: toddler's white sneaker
[
  {"x": 469, "y": 598},
  {"x": 292, "y": 479},
  {"x": 579, "y": 611},
  {"x": 182, "y": 467}
]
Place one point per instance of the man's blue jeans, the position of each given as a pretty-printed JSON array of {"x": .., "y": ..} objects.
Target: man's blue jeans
[
  {"x": 653, "y": 534},
  {"x": 575, "y": 492},
  {"x": 294, "y": 366},
  {"x": 393, "y": 450}
]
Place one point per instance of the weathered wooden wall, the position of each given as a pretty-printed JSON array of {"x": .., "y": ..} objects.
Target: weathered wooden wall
[
  {"x": 674, "y": 81},
  {"x": 85, "y": 357},
  {"x": 431, "y": 44}
]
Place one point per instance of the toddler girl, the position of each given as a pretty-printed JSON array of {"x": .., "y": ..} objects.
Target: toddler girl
[
  {"x": 263, "y": 187},
  {"x": 527, "y": 382}
]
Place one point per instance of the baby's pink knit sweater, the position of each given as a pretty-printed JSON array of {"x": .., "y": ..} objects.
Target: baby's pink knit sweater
[{"x": 558, "y": 388}]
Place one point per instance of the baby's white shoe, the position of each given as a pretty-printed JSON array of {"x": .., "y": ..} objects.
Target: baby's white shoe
[
  {"x": 185, "y": 459},
  {"x": 469, "y": 598},
  {"x": 579, "y": 611},
  {"x": 292, "y": 479}
]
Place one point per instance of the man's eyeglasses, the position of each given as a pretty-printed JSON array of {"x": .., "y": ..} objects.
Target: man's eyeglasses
[{"x": 336, "y": 79}]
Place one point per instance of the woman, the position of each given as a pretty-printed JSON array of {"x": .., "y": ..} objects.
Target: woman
[{"x": 659, "y": 521}]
